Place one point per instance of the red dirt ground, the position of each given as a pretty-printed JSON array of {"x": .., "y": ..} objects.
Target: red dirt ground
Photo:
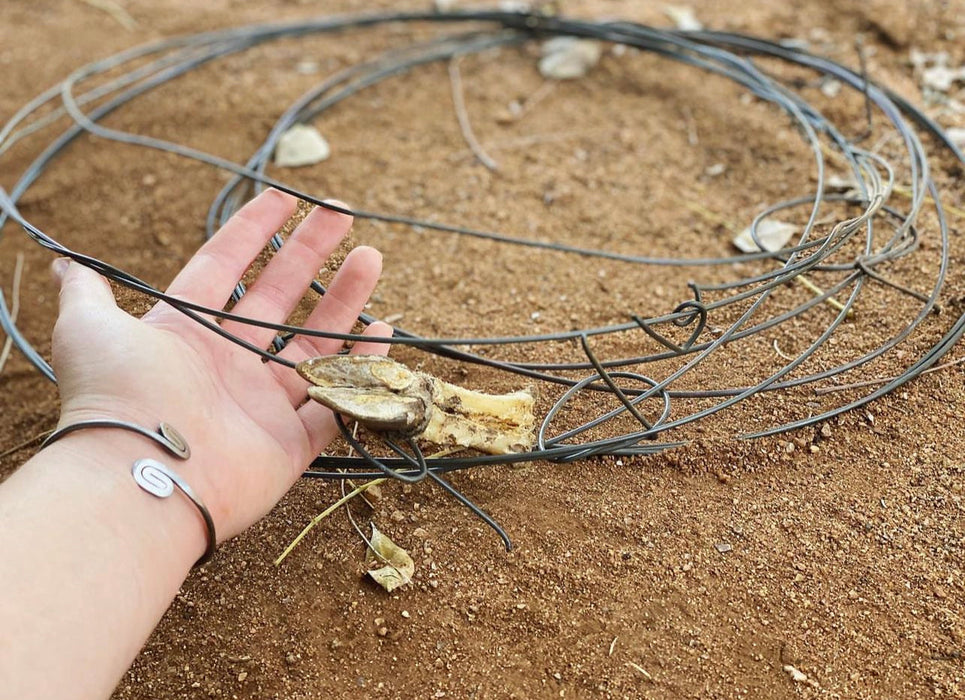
[{"x": 847, "y": 558}]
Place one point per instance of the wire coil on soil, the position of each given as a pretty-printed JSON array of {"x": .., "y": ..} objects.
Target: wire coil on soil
[{"x": 670, "y": 383}]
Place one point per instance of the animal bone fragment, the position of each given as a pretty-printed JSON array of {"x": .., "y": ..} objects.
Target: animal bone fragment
[{"x": 386, "y": 396}]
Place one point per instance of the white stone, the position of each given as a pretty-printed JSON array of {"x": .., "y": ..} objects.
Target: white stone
[
  {"x": 566, "y": 57},
  {"x": 683, "y": 17},
  {"x": 839, "y": 183},
  {"x": 939, "y": 78},
  {"x": 831, "y": 87},
  {"x": 301, "y": 145},
  {"x": 957, "y": 136},
  {"x": 307, "y": 67}
]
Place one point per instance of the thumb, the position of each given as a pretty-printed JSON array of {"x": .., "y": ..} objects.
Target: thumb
[{"x": 80, "y": 286}]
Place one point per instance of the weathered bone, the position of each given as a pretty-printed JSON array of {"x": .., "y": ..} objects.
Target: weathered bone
[{"x": 386, "y": 396}]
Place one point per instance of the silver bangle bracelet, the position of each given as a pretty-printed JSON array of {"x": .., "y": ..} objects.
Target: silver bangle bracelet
[
  {"x": 166, "y": 435},
  {"x": 153, "y": 476}
]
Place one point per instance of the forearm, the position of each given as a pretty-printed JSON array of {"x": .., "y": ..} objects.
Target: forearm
[{"x": 88, "y": 564}]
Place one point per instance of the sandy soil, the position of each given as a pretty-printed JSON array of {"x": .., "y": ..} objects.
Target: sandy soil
[{"x": 846, "y": 554}]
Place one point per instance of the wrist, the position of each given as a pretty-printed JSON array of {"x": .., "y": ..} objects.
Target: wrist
[
  {"x": 75, "y": 511},
  {"x": 151, "y": 532}
]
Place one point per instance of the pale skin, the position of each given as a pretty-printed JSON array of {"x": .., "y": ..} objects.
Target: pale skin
[{"x": 90, "y": 562}]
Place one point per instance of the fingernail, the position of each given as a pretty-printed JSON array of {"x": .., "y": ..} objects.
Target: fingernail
[
  {"x": 59, "y": 268},
  {"x": 337, "y": 205}
]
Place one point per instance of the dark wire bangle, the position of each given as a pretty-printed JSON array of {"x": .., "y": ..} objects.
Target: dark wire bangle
[{"x": 154, "y": 477}]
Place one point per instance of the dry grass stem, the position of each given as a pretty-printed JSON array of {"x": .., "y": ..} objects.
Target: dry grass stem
[
  {"x": 459, "y": 103},
  {"x": 120, "y": 15}
]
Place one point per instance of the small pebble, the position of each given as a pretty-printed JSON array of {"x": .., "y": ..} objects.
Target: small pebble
[
  {"x": 830, "y": 88},
  {"x": 723, "y": 547},
  {"x": 683, "y": 17},
  {"x": 301, "y": 145},
  {"x": 307, "y": 67},
  {"x": 566, "y": 57},
  {"x": 957, "y": 136}
]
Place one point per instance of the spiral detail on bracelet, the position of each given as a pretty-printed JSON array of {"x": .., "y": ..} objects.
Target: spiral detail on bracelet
[
  {"x": 154, "y": 477},
  {"x": 176, "y": 442},
  {"x": 159, "y": 480}
]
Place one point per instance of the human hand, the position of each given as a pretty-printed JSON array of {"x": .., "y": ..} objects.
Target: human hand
[{"x": 249, "y": 426}]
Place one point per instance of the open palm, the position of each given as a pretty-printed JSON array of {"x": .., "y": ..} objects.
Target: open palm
[{"x": 246, "y": 417}]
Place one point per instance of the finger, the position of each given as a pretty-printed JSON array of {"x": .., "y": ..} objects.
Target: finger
[
  {"x": 211, "y": 275},
  {"x": 378, "y": 329},
  {"x": 319, "y": 421},
  {"x": 337, "y": 312},
  {"x": 339, "y": 308},
  {"x": 86, "y": 321},
  {"x": 80, "y": 287},
  {"x": 282, "y": 283}
]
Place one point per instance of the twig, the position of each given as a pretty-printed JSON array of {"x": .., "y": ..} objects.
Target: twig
[
  {"x": 641, "y": 669},
  {"x": 120, "y": 15},
  {"x": 538, "y": 95},
  {"x": 951, "y": 209},
  {"x": 830, "y": 301},
  {"x": 535, "y": 140},
  {"x": 778, "y": 351},
  {"x": 14, "y": 309},
  {"x": 324, "y": 514},
  {"x": 692, "y": 136},
  {"x": 863, "y": 63},
  {"x": 463, "y": 117},
  {"x": 351, "y": 451},
  {"x": 716, "y": 218},
  {"x": 821, "y": 391},
  {"x": 613, "y": 645},
  {"x": 712, "y": 217},
  {"x": 897, "y": 189}
]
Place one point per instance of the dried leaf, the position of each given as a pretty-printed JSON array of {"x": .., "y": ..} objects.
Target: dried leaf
[
  {"x": 772, "y": 234},
  {"x": 397, "y": 566}
]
